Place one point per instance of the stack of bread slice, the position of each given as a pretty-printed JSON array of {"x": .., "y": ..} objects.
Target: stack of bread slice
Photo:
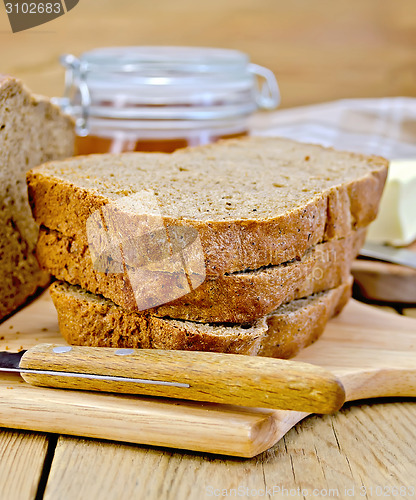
[{"x": 244, "y": 246}]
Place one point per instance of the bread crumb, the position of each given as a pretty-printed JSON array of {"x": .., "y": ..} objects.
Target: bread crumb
[{"x": 44, "y": 329}]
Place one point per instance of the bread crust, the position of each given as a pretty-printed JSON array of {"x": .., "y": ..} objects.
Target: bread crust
[{"x": 87, "y": 319}]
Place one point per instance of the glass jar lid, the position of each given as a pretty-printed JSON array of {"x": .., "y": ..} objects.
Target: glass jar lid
[{"x": 165, "y": 83}]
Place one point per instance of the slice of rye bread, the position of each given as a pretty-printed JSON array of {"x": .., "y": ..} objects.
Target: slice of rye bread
[
  {"x": 240, "y": 297},
  {"x": 88, "y": 319},
  {"x": 253, "y": 202},
  {"x": 32, "y": 131}
]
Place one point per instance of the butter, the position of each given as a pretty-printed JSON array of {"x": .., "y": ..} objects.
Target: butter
[{"x": 396, "y": 220}]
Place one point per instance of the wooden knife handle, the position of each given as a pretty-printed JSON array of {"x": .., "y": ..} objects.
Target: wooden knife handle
[{"x": 201, "y": 376}]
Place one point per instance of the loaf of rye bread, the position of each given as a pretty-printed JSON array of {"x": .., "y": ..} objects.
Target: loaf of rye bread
[
  {"x": 32, "y": 131},
  {"x": 88, "y": 319},
  {"x": 240, "y": 297},
  {"x": 253, "y": 202}
]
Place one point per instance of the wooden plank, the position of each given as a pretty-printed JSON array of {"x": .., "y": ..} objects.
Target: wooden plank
[
  {"x": 320, "y": 51},
  {"x": 385, "y": 282},
  {"x": 345, "y": 451},
  {"x": 357, "y": 346},
  {"x": 385, "y": 308},
  {"x": 23, "y": 456},
  {"x": 409, "y": 311},
  {"x": 153, "y": 421},
  {"x": 90, "y": 469},
  {"x": 379, "y": 438},
  {"x": 368, "y": 445}
]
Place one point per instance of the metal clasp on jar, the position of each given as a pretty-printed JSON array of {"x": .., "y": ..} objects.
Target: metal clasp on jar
[{"x": 75, "y": 82}]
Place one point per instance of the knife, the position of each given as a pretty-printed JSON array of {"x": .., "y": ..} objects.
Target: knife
[
  {"x": 200, "y": 376},
  {"x": 389, "y": 254}
]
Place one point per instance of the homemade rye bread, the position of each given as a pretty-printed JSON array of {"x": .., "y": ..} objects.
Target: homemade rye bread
[
  {"x": 32, "y": 131},
  {"x": 254, "y": 202},
  {"x": 240, "y": 297},
  {"x": 88, "y": 319}
]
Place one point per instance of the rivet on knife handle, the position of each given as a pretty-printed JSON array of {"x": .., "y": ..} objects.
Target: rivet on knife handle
[{"x": 201, "y": 376}]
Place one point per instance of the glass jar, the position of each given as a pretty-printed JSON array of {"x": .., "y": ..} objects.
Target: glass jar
[{"x": 162, "y": 98}]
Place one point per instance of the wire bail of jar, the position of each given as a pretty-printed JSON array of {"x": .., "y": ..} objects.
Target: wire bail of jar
[
  {"x": 268, "y": 92},
  {"x": 76, "y": 81}
]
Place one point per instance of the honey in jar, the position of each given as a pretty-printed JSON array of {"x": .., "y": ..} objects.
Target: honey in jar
[
  {"x": 162, "y": 98},
  {"x": 96, "y": 144}
]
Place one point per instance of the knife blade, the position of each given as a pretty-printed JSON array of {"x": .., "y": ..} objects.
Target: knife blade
[
  {"x": 199, "y": 376},
  {"x": 388, "y": 253}
]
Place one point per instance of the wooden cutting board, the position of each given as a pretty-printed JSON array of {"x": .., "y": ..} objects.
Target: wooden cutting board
[
  {"x": 385, "y": 282},
  {"x": 373, "y": 352}
]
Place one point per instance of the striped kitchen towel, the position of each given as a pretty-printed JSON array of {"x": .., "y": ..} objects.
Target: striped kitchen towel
[{"x": 385, "y": 127}]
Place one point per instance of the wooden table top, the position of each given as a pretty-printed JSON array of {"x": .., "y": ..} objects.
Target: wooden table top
[
  {"x": 319, "y": 51},
  {"x": 366, "y": 448}
]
